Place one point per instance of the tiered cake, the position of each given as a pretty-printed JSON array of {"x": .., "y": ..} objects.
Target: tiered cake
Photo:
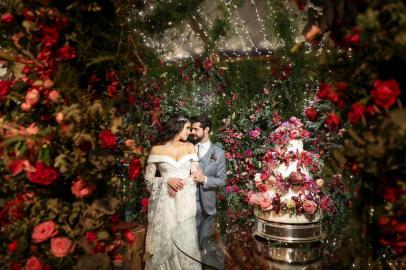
[{"x": 289, "y": 191}]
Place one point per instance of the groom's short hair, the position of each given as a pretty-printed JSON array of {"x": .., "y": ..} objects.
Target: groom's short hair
[{"x": 203, "y": 119}]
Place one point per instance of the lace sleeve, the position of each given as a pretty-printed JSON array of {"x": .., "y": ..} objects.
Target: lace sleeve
[{"x": 153, "y": 183}]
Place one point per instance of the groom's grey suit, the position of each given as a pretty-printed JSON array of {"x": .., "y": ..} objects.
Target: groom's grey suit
[{"x": 213, "y": 166}]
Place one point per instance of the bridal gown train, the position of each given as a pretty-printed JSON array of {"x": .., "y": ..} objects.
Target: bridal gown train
[{"x": 165, "y": 212}]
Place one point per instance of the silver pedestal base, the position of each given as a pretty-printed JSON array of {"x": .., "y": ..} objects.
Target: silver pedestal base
[
  {"x": 290, "y": 233},
  {"x": 304, "y": 254}
]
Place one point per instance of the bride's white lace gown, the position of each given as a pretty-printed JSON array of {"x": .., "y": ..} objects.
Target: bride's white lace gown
[{"x": 165, "y": 212}]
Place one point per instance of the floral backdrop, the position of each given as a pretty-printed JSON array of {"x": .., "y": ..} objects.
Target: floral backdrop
[{"x": 82, "y": 98}]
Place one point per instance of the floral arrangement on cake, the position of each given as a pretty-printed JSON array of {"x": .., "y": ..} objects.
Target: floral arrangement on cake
[{"x": 290, "y": 181}]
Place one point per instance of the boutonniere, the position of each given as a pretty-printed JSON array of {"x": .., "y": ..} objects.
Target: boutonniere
[{"x": 213, "y": 158}]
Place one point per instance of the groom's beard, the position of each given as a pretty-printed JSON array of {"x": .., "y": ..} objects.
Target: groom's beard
[{"x": 194, "y": 138}]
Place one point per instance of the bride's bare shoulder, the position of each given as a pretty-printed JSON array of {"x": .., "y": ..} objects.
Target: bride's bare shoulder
[
  {"x": 189, "y": 146},
  {"x": 156, "y": 150}
]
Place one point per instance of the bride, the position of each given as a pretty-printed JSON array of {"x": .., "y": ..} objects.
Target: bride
[{"x": 172, "y": 198}]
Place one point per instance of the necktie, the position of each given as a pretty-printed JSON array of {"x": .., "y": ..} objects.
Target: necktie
[{"x": 199, "y": 150}]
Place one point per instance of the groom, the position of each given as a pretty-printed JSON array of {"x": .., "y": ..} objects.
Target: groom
[{"x": 211, "y": 176}]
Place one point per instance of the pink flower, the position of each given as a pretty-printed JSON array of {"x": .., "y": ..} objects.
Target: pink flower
[
  {"x": 61, "y": 246},
  {"x": 229, "y": 189},
  {"x": 25, "y": 107},
  {"x": 255, "y": 133},
  {"x": 48, "y": 84},
  {"x": 59, "y": 118},
  {"x": 32, "y": 129},
  {"x": 266, "y": 203},
  {"x": 33, "y": 263},
  {"x": 309, "y": 207},
  {"x": 53, "y": 96},
  {"x": 129, "y": 143},
  {"x": 44, "y": 231},
  {"x": 32, "y": 97},
  {"x": 81, "y": 189}
]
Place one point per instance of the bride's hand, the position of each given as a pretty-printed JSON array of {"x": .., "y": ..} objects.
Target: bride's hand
[
  {"x": 172, "y": 193},
  {"x": 176, "y": 184}
]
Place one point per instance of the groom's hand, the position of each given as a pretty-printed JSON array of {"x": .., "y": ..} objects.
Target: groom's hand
[
  {"x": 198, "y": 176},
  {"x": 176, "y": 184}
]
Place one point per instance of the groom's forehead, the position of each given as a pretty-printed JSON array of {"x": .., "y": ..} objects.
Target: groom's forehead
[{"x": 196, "y": 124}]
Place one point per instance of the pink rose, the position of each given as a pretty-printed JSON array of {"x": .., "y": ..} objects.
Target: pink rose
[
  {"x": 294, "y": 134},
  {"x": 48, "y": 84},
  {"x": 61, "y": 246},
  {"x": 53, "y": 96},
  {"x": 33, "y": 263},
  {"x": 129, "y": 143},
  {"x": 25, "y": 107},
  {"x": 32, "y": 129},
  {"x": 266, "y": 203},
  {"x": 59, "y": 118},
  {"x": 309, "y": 207},
  {"x": 32, "y": 97},
  {"x": 44, "y": 231},
  {"x": 255, "y": 133},
  {"x": 81, "y": 189},
  {"x": 254, "y": 199}
]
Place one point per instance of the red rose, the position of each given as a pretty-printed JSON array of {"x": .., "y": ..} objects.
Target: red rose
[
  {"x": 33, "y": 263},
  {"x": 43, "y": 174},
  {"x": 28, "y": 15},
  {"x": 400, "y": 228},
  {"x": 12, "y": 246},
  {"x": 324, "y": 90},
  {"x": 208, "y": 64},
  {"x": 15, "y": 266},
  {"x": 4, "y": 87},
  {"x": 390, "y": 195},
  {"x": 129, "y": 236},
  {"x": 144, "y": 204},
  {"x": 91, "y": 237},
  {"x": 385, "y": 93},
  {"x": 67, "y": 52},
  {"x": 107, "y": 139},
  {"x": 311, "y": 114},
  {"x": 112, "y": 89},
  {"x": 7, "y": 18},
  {"x": 134, "y": 170},
  {"x": 357, "y": 112},
  {"x": 333, "y": 120},
  {"x": 50, "y": 36},
  {"x": 341, "y": 86},
  {"x": 371, "y": 110}
]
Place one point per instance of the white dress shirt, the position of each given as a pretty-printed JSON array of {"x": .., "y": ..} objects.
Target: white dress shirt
[{"x": 202, "y": 149}]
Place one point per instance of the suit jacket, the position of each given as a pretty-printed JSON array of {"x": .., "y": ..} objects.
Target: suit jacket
[{"x": 213, "y": 165}]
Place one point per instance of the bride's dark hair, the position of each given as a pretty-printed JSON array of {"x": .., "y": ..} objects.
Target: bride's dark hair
[{"x": 171, "y": 128}]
